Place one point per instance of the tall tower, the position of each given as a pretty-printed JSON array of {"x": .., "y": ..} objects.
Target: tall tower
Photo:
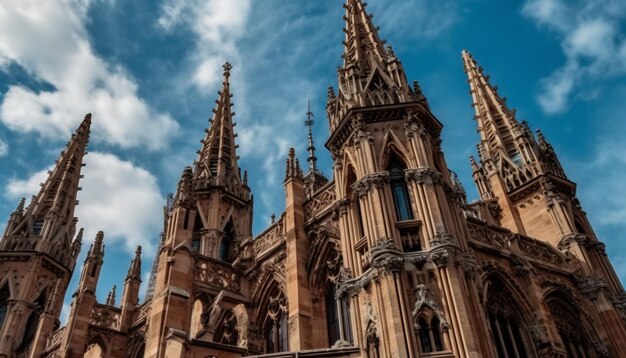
[
  {"x": 521, "y": 175},
  {"x": 39, "y": 250},
  {"x": 209, "y": 233},
  {"x": 400, "y": 217}
]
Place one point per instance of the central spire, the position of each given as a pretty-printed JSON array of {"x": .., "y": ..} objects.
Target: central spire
[
  {"x": 49, "y": 222},
  {"x": 371, "y": 75},
  {"x": 311, "y": 148},
  {"x": 218, "y": 159}
]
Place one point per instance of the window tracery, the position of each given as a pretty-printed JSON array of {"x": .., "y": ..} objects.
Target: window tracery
[{"x": 508, "y": 330}]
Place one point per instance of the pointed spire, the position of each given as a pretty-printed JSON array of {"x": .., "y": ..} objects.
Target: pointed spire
[
  {"x": 363, "y": 47},
  {"x": 111, "y": 297},
  {"x": 370, "y": 74},
  {"x": 96, "y": 250},
  {"x": 20, "y": 207},
  {"x": 50, "y": 215},
  {"x": 218, "y": 158},
  {"x": 134, "y": 271},
  {"x": 54, "y": 296},
  {"x": 497, "y": 125},
  {"x": 292, "y": 170},
  {"x": 311, "y": 148}
]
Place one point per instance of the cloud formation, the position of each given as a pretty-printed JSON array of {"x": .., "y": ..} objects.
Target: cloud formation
[
  {"x": 49, "y": 41},
  {"x": 119, "y": 198},
  {"x": 217, "y": 25},
  {"x": 4, "y": 148},
  {"x": 594, "y": 49}
]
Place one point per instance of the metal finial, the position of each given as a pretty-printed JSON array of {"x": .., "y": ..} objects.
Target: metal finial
[{"x": 311, "y": 149}]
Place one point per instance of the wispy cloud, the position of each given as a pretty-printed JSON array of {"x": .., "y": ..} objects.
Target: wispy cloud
[
  {"x": 416, "y": 19},
  {"x": 119, "y": 198},
  {"x": 217, "y": 25},
  {"x": 49, "y": 40},
  {"x": 4, "y": 148},
  {"x": 594, "y": 48}
]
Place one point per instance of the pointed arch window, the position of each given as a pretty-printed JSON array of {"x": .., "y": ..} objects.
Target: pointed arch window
[
  {"x": 399, "y": 190},
  {"x": 507, "y": 327},
  {"x": 276, "y": 325},
  {"x": 337, "y": 316},
  {"x": 225, "y": 253},
  {"x": 31, "y": 323},
  {"x": 569, "y": 323},
  {"x": 4, "y": 304},
  {"x": 332, "y": 315},
  {"x": 429, "y": 332}
]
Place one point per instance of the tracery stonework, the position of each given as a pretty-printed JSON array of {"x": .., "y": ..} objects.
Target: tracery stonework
[{"x": 384, "y": 259}]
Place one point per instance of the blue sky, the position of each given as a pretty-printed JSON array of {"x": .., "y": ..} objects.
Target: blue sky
[{"x": 149, "y": 72}]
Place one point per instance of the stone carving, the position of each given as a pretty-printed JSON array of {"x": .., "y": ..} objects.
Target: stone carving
[
  {"x": 469, "y": 264},
  {"x": 591, "y": 286},
  {"x": 55, "y": 338},
  {"x": 216, "y": 274},
  {"x": 424, "y": 175},
  {"x": 270, "y": 238},
  {"x": 373, "y": 180},
  {"x": 521, "y": 266},
  {"x": 567, "y": 241},
  {"x": 540, "y": 251},
  {"x": 106, "y": 317},
  {"x": 488, "y": 236},
  {"x": 211, "y": 314},
  {"x": 417, "y": 258},
  {"x": 319, "y": 202},
  {"x": 440, "y": 257},
  {"x": 429, "y": 297}
]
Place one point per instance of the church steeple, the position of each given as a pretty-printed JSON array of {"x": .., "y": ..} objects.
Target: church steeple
[
  {"x": 371, "y": 74},
  {"x": 506, "y": 146},
  {"x": 48, "y": 223},
  {"x": 312, "y": 159},
  {"x": 497, "y": 125},
  {"x": 217, "y": 160}
]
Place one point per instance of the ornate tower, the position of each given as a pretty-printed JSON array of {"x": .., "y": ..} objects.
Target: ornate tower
[
  {"x": 400, "y": 217},
  {"x": 39, "y": 250},
  {"x": 521, "y": 180},
  {"x": 83, "y": 302},
  {"x": 208, "y": 233}
]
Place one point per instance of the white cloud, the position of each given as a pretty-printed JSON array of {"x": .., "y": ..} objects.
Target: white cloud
[
  {"x": 4, "y": 148},
  {"x": 591, "y": 42},
  {"x": 417, "y": 19},
  {"x": 119, "y": 198},
  {"x": 217, "y": 25},
  {"x": 48, "y": 39}
]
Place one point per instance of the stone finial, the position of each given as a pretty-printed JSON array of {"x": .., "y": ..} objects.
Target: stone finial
[
  {"x": 292, "y": 169},
  {"x": 134, "y": 271},
  {"x": 111, "y": 297}
]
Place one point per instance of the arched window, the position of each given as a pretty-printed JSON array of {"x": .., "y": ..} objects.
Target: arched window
[
  {"x": 399, "y": 190},
  {"x": 345, "y": 321},
  {"x": 276, "y": 326},
  {"x": 429, "y": 332},
  {"x": 31, "y": 323},
  {"x": 569, "y": 322},
  {"x": 435, "y": 328},
  {"x": 332, "y": 316},
  {"x": 507, "y": 328},
  {"x": 422, "y": 328},
  {"x": 4, "y": 305},
  {"x": 226, "y": 244},
  {"x": 354, "y": 199},
  {"x": 337, "y": 317}
]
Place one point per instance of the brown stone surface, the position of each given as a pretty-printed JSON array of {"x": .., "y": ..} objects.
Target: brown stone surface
[{"x": 387, "y": 259}]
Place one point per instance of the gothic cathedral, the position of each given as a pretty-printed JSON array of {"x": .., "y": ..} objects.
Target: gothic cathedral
[{"x": 384, "y": 259}]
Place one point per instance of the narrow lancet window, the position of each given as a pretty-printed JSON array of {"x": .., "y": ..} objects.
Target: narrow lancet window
[{"x": 399, "y": 191}]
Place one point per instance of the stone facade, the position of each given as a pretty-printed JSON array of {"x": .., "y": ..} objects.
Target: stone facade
[{"x": 386, "y": 259}]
